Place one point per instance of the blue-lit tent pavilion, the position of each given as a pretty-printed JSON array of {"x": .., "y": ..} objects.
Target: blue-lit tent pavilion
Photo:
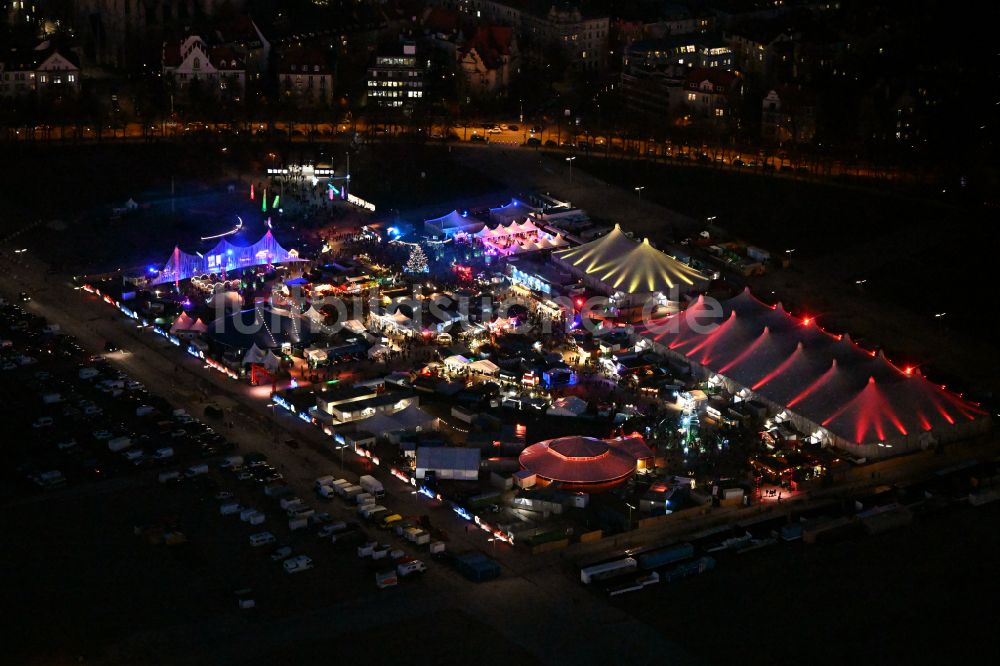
[{"x": 224, "y": 257}]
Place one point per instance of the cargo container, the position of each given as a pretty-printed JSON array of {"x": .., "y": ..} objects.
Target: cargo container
[
  {"x": 665, "y": 556},
  {"x": 607, "y": 569},
  {"x": 636, "y": 585},
  {"x": 477, "y": 567},
  {"x": 484, "y": 499},
  {"x": 688, "y": 569}
]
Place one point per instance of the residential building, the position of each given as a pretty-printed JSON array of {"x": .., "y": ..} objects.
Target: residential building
[
  {"x": 688, "y": 50},
  {"x": 305, "y": 73},
  {"x": 488, "y": 58},
  {"x": 115, "y": 31},
  {"x": 788, "y": 114},
  {"x": 678, "y": 20},
  {"x": 584, "y": 39},
  {"x": 44, "y": 70},
  {"x": 19, "y": 11},
  {"x": 219, "y": 67},
  {"x": 243, "y": 36},
  {"x": 653, "y": 93},
  {"x": 709, "y": 93},
  {"x": 396, "y": 79}
]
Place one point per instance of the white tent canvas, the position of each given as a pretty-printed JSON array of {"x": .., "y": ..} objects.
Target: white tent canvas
[
  {"x": 253, "y": 355},
  {"x": 271, "y": 362}
]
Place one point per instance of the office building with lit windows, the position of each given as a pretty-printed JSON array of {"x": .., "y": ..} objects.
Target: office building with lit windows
[{"x": 396, "y": 80}]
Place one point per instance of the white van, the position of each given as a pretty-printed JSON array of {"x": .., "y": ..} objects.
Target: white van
[
  {"x": 323, "y": 481},
  {"x": 407, "y": 567}
]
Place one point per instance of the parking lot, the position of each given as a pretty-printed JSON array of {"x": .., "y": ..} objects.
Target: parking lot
[{"x": 131, "y": 541}]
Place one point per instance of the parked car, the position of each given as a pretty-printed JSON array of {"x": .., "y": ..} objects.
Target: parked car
[
  {"x": 261, "y": 539},
  {"x": 297, "y": 564},
  {"x": 281, "y": 553}
]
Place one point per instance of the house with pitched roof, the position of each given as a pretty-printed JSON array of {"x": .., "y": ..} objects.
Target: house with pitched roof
[
  {"x": 220, "y": 68},
  {"x": 487, "y": 59},
  {"x": 306, "y": 74},
  {"x": 44, "y": 69}
]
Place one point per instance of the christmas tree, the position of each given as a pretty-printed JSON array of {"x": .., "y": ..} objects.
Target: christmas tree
[{"x": 417, "y": 262}]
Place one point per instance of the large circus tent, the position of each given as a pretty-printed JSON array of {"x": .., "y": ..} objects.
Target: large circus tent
[
  {"x": 225, "y": 256},
  {"x": 618, "y": 264},
  {"x": 585, "y": 464},
  {"x": 825, "y": 385}
]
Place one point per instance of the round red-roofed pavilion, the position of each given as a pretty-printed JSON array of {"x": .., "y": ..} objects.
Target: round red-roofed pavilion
[{"x": 585, "y": 464}]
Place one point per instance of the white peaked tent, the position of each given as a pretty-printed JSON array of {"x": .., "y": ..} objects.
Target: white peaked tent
[
  {"x": 570, "y": 405},
  {"x": 182, "y": 323},
  {"x": 375, "y": 350},
  {"x": 485, "y": 367},
  {"x": 271, "y": 362},
  {"x": 198, "y": 326},
  {"x": 316, "y": 354},
  {"x": 254, "y": 355},
  {"x": 355, "y": 326},
  {"x": 315, "y": 315},
  {"x": 456, "y": 362},
  {"x": 528, "y": 226}
]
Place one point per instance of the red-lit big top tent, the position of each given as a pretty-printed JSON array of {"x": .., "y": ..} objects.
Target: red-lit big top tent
[
  {"x": 824, "y": 384},
  {"x": 584, "y": 463}
]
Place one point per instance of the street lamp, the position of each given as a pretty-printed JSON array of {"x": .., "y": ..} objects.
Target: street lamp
[
  {"x": 639, "y": 192},
  {"x": 570, "y": 160},
  {"x": 630, "y": 507}
]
